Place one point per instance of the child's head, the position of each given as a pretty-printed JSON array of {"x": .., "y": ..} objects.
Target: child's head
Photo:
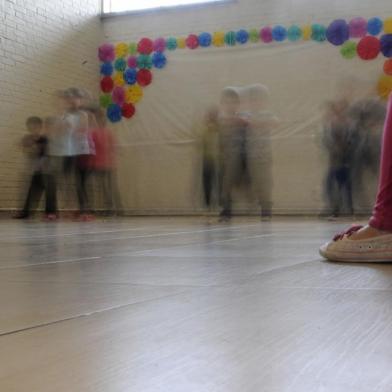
[
  {"x": 211, "y": 115},
  {"x": 73, "y": 98},
  {"x": 34, "y": 124},
  {"x": 230, "y": 100}
]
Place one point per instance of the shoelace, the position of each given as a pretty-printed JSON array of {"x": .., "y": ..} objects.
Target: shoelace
[{"x": 350, "y": 231}]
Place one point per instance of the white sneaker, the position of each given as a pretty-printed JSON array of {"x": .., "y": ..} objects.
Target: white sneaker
[{"x": 376, "y": 249}]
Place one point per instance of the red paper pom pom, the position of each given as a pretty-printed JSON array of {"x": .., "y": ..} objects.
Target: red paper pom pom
[
  {"x": 128, "y": 110},
  {"x": 144, "y": 77},
  {"x": 145, "y": 46},
  {"x": 388, "y": 67},
  {"x": 192, "y": 41},
  {"x": 368, "y": 48},
  {"x": 107, "y": 84}
]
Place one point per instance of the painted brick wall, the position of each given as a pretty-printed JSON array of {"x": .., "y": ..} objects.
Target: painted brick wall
[{"x": 45, "y": 45}]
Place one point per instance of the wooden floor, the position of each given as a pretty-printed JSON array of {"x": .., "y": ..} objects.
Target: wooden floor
[{"x": 186, "y": 305}]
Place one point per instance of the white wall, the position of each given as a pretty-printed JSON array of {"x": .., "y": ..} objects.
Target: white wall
[
  {"x": 159, "y": 153},
  {"x": 44, "y": 45}
]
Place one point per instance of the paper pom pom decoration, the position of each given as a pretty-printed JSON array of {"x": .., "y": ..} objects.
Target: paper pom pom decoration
[
  {"x": 205, "y": 40},
  {"x": 118, "y": 79},
  {"x": 368, "y": 48},
  {"x": 132, "y": 62},
  {"x": 144, "y": 77},
  {"x": 374, "y": 26},
  {"x": 171, "y": 43},
  {"x": 218, "y": 38},
  {"x": 145, "y": 46},
  {"x": 133, "y": 94},
  {"x": 181, "y": 43},
  {"x": 384, "y": 86},
  {"x": 192, "y": 41},
  {"x": 118, "y": 95},
  {"x": 159, "y": 60},
  {"x": 114, "y": 112},
  {"x": 388, "y": 26},
  {"x": 358, "y": 27},
  {"x": 120, "y": 65},
  {"x": 279, "y": 33},
  {"x": 128, "y": 110},
  {"x": 230, "y": 38},
  {"x": 242, "y": 36},
  {"x": 388, "y": 67},
  {"x": 266, "y": 34},
  {"x": 294, "y": 33},
  {"x": 105, "y": 100},
  {"x": 254, "y": 35},
  {"x": 106, "y": 69},
  {"x": 338, "y": 32},
  {"x": 130, "y": 75},
  {"x": 307, "y": 32},
  {"x": 144, "y": 61},
  {"x": 106, "y": 52},
  {"x": 107, "y": 84},
  {"x": 132, "y": 48},
  {"x": 386, "y": 45},
  {"x": 121, "y": 49},
  {"x": 318, "y": 33},
  {"x": 349, "y": 50},
  {"x": 159, "y": 45}
]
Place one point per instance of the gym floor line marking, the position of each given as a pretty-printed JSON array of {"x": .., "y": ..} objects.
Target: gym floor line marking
[{"x": 52, "y": 262}]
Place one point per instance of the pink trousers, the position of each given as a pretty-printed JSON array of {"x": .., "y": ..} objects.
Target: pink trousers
[{"x": 382, "y": 213}]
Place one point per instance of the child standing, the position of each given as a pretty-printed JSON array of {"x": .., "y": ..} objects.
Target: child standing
[{"x": 35, "y": 145}]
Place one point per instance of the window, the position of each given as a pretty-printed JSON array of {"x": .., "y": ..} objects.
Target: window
[{"x": 139, "y": 5}]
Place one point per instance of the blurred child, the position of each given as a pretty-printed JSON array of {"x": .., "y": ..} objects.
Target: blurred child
[
  {"x": 340, "y": 144},
  {"x": 77, "y": 145},
  {"x": 259, "y": 152},
  {"x": 103, "y": 163},
  {"x": 35, "y": 145},
  {"x": 232, "y": 138},
  {"x": 210, "y": 152}
]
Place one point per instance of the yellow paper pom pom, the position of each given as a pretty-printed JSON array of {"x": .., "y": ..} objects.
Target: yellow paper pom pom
[
  {"x": 181, "y": 43},
  {"x": 133, "y": 94},
  {"x": 121, "y": 49},
  {"x": 218, "y": 38},
  {"x": 307, "y": 32},
  {"x": 388, "y": 26},
  {"x": 384, "y": 86},
  {"x": 118, "y": 79}
]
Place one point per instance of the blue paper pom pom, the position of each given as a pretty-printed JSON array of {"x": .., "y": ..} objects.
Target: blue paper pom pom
[
  {"x": 294, "y": 33},
  {"x": 279, "y": 33},
  {"x": 130, "y": 75},
  {"x": 120, "y": 65},
  {"x": 107, "y": 69},
  {"x": 171, "y": 43},
  {"x": 159, "y": 59},
  {"x": 338, "y": 32},
  {"x": 242, "y": 36},
  {"x": 375, "y": 26},
  {"x": 205, "y": 39},
  {"x": 386, "y": 45},
  {"x": 114, "y": 112}
]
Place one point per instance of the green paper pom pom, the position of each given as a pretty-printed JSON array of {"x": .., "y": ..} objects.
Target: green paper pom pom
[
  {"x": 132, "y": 49},
  {"x": 171, "y": 43},
  {"x": 349, "y": 50},
  {"x": 105, "y": 100},
  {"x": 230, "y": 38},
  {"x": 254, "y": 35},
  {"x": 144, "y": 61},
  {"x": 294, "y": 33},
  {"x": 319, "y": 33}
]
